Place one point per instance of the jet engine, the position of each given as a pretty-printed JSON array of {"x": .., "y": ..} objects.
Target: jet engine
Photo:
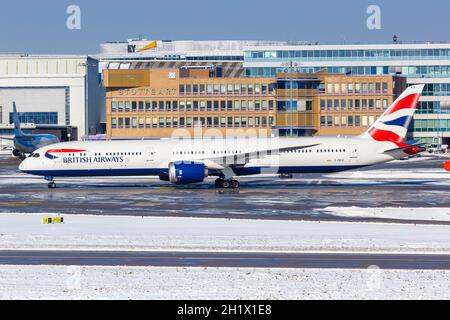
[{"x": 187, "y": 172}]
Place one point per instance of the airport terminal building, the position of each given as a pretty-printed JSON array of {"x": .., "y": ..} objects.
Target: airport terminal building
[
  {"x": 426, "y": 63},
  {"x": 61, "y": 95},
  {"x": 191, "y": 102}
]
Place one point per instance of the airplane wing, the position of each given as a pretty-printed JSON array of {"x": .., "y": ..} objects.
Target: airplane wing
[
  {"x": 401, "y": 152},
  {"x": 233, "y": 160}
]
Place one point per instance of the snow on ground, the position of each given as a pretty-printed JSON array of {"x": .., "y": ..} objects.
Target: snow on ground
[
  {"x": 47, "y": 282},
  {"x": 25, "y": 231},
  {"x": 424, "y": 214},
  {"x": 396, "y": 174}
]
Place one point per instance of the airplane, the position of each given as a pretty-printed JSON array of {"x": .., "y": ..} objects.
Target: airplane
[
  {"x": 188, "y": 161},
  {"x": 28, "y": 143}
]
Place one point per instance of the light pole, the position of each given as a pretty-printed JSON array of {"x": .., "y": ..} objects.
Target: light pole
[{"x": 291, "y": 67}]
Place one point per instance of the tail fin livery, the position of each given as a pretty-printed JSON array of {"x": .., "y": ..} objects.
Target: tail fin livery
[
  {"x": 17, "y": 131},
  {"x": 393, "y": 125}
]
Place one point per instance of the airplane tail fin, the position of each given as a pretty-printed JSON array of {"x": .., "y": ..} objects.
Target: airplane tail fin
[
  {"x": 17, "y": 130},
  {"x": 393, "y": 124}
]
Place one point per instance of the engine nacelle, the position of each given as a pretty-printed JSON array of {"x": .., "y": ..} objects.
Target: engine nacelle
[{"x": 187, "y": 172}]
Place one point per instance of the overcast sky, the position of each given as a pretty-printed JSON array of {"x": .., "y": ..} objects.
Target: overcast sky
[{"x": 40, "y": 26}]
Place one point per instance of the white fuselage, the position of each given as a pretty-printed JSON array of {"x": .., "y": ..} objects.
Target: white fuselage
[{"x": 152, "y": 157}]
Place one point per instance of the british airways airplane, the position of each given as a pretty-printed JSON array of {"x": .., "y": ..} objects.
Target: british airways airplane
[
  {"x": 28, "y": 143},
  {"x": 186, "y": 161}
]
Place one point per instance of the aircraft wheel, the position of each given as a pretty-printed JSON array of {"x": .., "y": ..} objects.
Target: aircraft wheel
[
  {"x": 52, "y": 185},
  {"x": 225, "y": 184},
  {"x": 16, "y": 153},
  {"x": 235, "y": 184}
]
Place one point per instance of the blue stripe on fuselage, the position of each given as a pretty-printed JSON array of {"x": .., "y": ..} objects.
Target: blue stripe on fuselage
[{"x": 240, "y": 171}]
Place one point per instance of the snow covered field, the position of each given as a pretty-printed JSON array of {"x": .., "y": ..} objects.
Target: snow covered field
[
  {"x": 25, "y": 231},
  {"x": 44, "y": 282},
  {"x": 424, "y": 214}
]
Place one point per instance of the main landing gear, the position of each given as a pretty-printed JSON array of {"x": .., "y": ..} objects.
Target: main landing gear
[{"x": 227, "y": 184}]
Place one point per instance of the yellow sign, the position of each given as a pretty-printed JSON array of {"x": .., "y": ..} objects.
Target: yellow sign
[{"x": 151, "y": 45}]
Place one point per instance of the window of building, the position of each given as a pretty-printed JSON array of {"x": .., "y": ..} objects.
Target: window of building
[
  {"x": 385, "y": 87},
  {"x": 336, "y": 104},
  {"x": 195, "y": 89},
  {"x": 113, "y": 106},
  {"x": 202, "y": 105},
  {"x": 188, "y": 89},
  {"x": 350, "y": 121},
  {"x": 161, "y": 106},
  {"x": 264, "y": 122},
  {"x": 330, "y": 104},
  {"x": 188, "y": 106},
  {"x": 236, "y": 88},
  {"x": 230, "y": 122},
  {"x": 127, "y": 123},
  {"x": 357, "y": 104},
  {"x": 216, "y": 122},
  {"x": 209, "y": 89},
  {"x": 371, "y": 105},
  {"x": 182, "y": 90},
  {"x": 230, "y": 105},
  {"x": 113, "y": 123},
  {"x": 223, "y": 89},
  {"x": 244, "y": 105},
  {"x": 264, "y": 105},
  {"x": 120, "y": 123},
  {"x": 134, "y": 123},
  {"x": 148, "y": 123},
  {"x": 202, "y": 89},
  {"x": 236, "y": 105},
  {"x": 357, "y": 121},
  {"x": 216, "y": 89},
  {"x": 343, "y": 104},
  {"x": 257, "y": 89},
  {"x": 182, "y": 122},
  {"x": 175, "y": 122},
  {"x": 250, "y": 122},
  {"x": 223, "y": 122},
  {"x": 364, "y": 104},
  {"x": 243, "y": 89},
  {"x": 350, "y": 104},
  {"x": 257, "y": 105},
  {"x": 257, "y": 122},
  {"x": 250, "y": 89},
  {"x": 244, "y": 122},
  {"x": 127, "y": 106},
  {"x": 322, "y": 104},
  {"x": 364, "y": 121},
  {"x": 161, "y": 122},
  {"x": 229, "y": 89},
  {"x": 350, "y": 88},
  {"x": 154, "y": 106},
  {"x": 189, "y": 122},
  {"x": 147, "y": 106},
  {"x": 216, "y": 105},
  {"x": 168, "y": 122},
  {"x": 141, "y": 106}
]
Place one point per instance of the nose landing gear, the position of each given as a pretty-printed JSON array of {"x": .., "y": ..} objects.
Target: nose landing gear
[{"x": 51, "y": 182}]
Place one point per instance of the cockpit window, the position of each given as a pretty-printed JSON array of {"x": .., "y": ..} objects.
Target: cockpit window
[{"x": 36, "y": 155}]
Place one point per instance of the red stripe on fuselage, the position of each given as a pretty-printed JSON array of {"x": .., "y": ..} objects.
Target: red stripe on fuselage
[{"x": 65, "y": 151}]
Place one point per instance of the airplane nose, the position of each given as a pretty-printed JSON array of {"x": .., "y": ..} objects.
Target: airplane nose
[{"x": 23, "y": 166}]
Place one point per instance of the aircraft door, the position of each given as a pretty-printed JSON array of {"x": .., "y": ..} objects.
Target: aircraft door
[
  {"x": 150, "y": 154},
  {"x": 353, "y": 152}
]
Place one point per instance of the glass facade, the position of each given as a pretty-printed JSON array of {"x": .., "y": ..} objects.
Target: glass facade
[{"x": 36, "y": 117}]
